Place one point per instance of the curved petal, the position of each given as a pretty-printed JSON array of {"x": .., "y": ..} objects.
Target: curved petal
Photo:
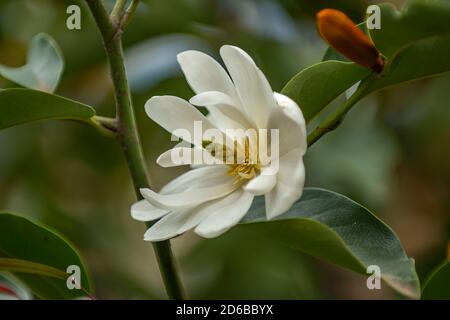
[
  {"x": 222, "y": 105},
  {"x": 144, "y": 211},
  {"x": 178, "y": 222},
  {"x": 212, "y": 97},
  {"x": 289, "y": 187},
  {"x": 167, "y": 227},
  {"x": 203, "y": 73},
  {"x": 226, "y": 213},
  {"x": 210, "y": 187},
  {"x": 180, "y": 156},
  {"x": 174, "y": 224},
  {"x": 195, "y": 179},
  {"x": 289, "y": 120},
  {"x": 188, "y": 199},
  {"x": 252, "y": 86},
  {"x": 173, "y": 113},
  {"x": 261, "y": 184}
]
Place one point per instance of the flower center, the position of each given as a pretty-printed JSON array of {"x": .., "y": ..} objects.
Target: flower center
[
  {"x": 246, "y": 169},
  {"x": 243, "y": 171},
  {"x": 242, "y": 167}
]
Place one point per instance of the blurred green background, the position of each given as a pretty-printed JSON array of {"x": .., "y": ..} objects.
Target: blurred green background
[{"x": 391, "y": 154}]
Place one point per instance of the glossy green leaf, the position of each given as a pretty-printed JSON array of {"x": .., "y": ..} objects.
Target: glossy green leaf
[
  {"x": 415, "y": 42},
  {"x": 44, "y": 66},
  {"x": 417, "y": 20},
  {"x": 333, "y": 227},
  {"x": 437, "y": 285},
  {"x": 315, "y": 87},
  {"x": 19, "y": 106},
  {"x": 424, "y": 59},
  {"x": 39, "y": 257}
]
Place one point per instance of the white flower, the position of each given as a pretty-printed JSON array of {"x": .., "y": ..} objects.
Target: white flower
[{"x": 214, "y": 198}]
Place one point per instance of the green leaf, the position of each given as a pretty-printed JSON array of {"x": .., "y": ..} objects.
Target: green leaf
[
  {"x": 437, "y": 285},
  {"x": 418, "y": 20},
  {"x": 315, "y": 87},
  {"x": 44, "y": 66},
  {"x": 333, "y": 227},
  {"x": 424, "y": 59},
  {"x": 39, "y": 257},
  {"x": 19, "y": 106},
  {"x": 415, "y": 42}
]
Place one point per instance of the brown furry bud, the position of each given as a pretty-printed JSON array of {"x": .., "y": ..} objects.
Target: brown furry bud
[{"x": 345, "y": 37}]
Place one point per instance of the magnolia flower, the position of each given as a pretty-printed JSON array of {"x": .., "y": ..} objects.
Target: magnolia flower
[{"x": 214, "y": 198}]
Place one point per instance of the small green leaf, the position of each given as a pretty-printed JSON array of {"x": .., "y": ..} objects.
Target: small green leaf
[
  {"x": 44, "y": 66},
  {"x": 333, "y": 227},
  {"x": 424, "y": 59},
  {"x": 418, "y": 20},
  {"x": 315, "y": 87},
  {"x": 39, "y": 257},
  {"x": 437, "y": 285},
  {"x": 415, "y": 42},
  {"x": 19, "y": 106}
]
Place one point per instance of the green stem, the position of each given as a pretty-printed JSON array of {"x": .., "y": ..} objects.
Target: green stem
[
  {"x": 129, "y": 12},
  {"x": 129, "y": 137},
  {"x": 118, "y": 10},
  {"x": 333, "y": 121}
]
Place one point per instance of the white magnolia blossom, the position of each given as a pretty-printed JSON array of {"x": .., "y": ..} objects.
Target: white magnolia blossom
[{"x": 214, "y": 198}]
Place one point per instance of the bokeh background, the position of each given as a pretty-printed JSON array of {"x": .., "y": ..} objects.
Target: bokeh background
[{"x": 391, "y": 153}]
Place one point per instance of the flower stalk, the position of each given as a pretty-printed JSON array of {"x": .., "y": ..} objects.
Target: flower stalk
[{"x": 127, "y": 132}]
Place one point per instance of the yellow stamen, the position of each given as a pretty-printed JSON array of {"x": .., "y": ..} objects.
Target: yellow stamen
[{"x": 246, "y": 170}]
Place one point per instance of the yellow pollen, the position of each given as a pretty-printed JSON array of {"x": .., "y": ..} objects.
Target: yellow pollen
[
  {"x": 245, "y": 170},
  {"x": 242, "y": 170}
]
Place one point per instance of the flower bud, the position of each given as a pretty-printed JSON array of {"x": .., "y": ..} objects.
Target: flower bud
[{"x": 345, "y": 37}]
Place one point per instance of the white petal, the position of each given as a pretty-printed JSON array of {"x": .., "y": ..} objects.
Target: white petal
[
  {"x": 203, "y": 73},
  {"x": 261, "y": 184},
  {"x": 226, "y": 213},
  {"x": 220, "y": 120},
  {"x": 211, "y": 187},
  {"x": 289, "y": 120},
  {"x": 208, "y": 98},
  {"x": 144, "y": 211},
  {"x": 167, "y": 227},
  {"x": 175, "y": 223},
  {"x": 252, "y": 86},
  {"x": 223, "y": 109},
  {"x": 179, "y": 222},
  {"x": 174, "y": 113},
  {"x": 183, "y": 156},
  {"x": 196, "y": 178},
  {"x": 289, "y": 187}
]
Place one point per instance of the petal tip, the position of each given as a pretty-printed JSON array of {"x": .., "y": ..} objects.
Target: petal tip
[{"x": 143, "y": 191}]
